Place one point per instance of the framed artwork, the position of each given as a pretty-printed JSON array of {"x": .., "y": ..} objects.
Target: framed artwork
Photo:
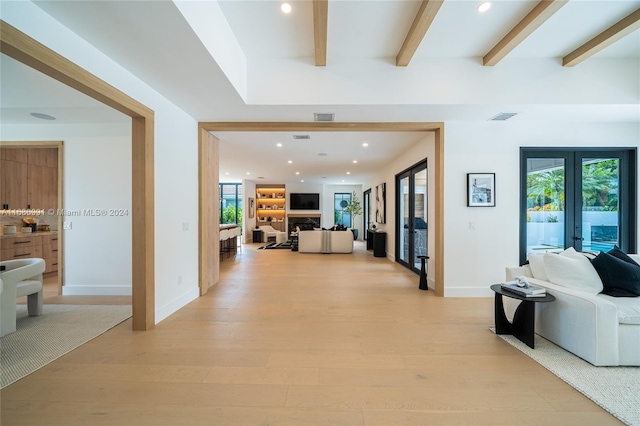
[
  {"x": 252, "y": 207},
  {"x": 481, "y": 189},
  {"x": 380, "y": 198}
]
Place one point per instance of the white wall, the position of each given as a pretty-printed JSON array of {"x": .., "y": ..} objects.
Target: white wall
[
  {"x": 425, "y": 148},
  {"x": 476, "y": 259},
  {"x": 96, "y": 175},
  {"x": 176, "y": 165}
]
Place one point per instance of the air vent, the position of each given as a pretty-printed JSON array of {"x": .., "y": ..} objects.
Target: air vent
[
  {"x": 301, "y": 137},
  {"x": 323, "y": 116},
  {"x": 503, "y": 116}
]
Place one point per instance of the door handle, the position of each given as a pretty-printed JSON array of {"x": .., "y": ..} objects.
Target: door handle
[{"x": 578, "y": 238}]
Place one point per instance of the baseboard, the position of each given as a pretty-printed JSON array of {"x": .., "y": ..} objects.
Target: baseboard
[
  {"x": 96, "y": 290},
  {"x": 176, "y": 304}
]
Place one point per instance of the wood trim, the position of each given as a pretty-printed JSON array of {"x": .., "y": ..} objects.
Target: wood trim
[
  {"x": 320, "y": 127},
  {"x": 523, "y": 29},
  {"x": 421, "y": 23},
  {"x": 320, "y": 13},
  {"x": 439, "y": 211},
  {"x": 142, "y": 224},
  {"x": 208, "y": 194},
  {"x": 438, "y": 128},
  {"x": 605, "y": 39},
  {"x": 30, "y": 52}
]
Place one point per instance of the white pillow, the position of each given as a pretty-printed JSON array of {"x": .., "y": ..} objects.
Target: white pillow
[
  {"x": 572, "y": 271},
  {"x": 536, "y": 262}
]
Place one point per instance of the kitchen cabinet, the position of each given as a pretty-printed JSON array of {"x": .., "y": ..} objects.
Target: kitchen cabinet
[
  {"x": 29, "y": 178},
  {"x": 23, "y": 246}
]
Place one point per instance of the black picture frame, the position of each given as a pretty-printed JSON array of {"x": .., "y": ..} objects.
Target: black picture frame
[{"x": 481, "y": 189}]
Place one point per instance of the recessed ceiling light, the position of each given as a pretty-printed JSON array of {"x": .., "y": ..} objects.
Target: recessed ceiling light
[
  {"x": 227, "y": 173},
  {"x": 301, "y": 180},
  {"x": 484, "y": 6},
  {"x": 278, "y": 144},
  {"x": 289, "y": 161},
  {"x": 285, "y": 7},
  {"x": 297, "y": 173},
  {"x": 348, "y": 173},
  {"x": 342, "y": 180},
  {"x": 365, "y": 144},
  {"x": 355, "y": 161},
  {"x": 42, "y": 116},
  {"x": 248, "y": 173}
]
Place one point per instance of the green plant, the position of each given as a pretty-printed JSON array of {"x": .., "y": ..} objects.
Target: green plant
[
  {"x": 552, "y": 218},
  {"x": 354, "y": 208}
]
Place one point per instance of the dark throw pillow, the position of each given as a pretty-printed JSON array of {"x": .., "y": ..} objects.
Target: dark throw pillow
[
  {"x": 619, "y": 278},
  {"x": 616, "y": 252}
]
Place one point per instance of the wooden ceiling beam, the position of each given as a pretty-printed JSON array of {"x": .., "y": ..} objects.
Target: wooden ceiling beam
[
  {"x": 425, "y": 16},
  {"x": 320, "y": 12},
  {"x": 523, "y": 29},
  {"x": 604, "y": 39}
]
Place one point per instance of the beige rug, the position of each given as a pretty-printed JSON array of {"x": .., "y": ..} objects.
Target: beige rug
[
  {"x": 61, "y": 328},
  {"x": 615, "y": 389}
]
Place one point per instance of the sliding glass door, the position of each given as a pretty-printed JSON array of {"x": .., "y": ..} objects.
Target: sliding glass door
[
  {"x": 581, "y": 198},
  {"x": 411, "y": 208}
]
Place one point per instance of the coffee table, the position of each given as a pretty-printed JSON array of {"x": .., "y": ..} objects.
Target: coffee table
[{"x": 523, "y": 323}]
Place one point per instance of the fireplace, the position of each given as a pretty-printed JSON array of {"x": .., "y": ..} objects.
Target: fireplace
[{"x": 308, "y": 221}]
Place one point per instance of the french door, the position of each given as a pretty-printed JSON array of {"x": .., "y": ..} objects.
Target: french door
[
  {"x": 581, "y": 198},
  {"x": 367, "y": 212},
  {"x": 411, "y": 210}
]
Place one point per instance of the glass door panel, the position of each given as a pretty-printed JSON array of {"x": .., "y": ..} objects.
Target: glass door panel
[
  {"x": 404, "y": 213},
  {"x": 545, "y": 205},
  {"x": 419, "y": 216},
  {"x": 600, "y": 204}
]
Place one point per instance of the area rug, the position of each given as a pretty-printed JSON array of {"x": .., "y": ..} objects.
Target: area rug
[
  {"x": 61, "y": 328},
  {"x": 615, "y": 389},
  {"x": 272, "y": 245}
]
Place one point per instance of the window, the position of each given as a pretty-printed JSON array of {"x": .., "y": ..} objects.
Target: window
[
  {"x": 340, "y": 201},
  {"x": 231, "y": 203},
  {"x": 581, "y": 198}
]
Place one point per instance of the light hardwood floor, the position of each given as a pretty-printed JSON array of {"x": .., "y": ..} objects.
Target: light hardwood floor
[{"x": 294, "y": 339}]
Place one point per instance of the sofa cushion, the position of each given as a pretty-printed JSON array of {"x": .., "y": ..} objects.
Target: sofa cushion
[
  {"x": 572, "y": 270},
  {"x": 536, "y": 262},
  {"x": 628, "y": 308},
  {"x": 616, "y": 252},
  {"x": 619, "y": 277}
]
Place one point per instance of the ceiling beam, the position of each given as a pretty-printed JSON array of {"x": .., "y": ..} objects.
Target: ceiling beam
[
  {"x": 604, "y": 39},
  {"x": 425, "y": 16},
  {"x": 523, "y": 29},
  {"x": 320, "y": 12}
]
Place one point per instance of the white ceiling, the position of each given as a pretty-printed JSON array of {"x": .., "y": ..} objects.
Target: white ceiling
[{"x": 153, "y": 40}]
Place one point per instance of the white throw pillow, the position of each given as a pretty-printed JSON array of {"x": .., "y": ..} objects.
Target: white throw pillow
[
  {"x": 536, "y": 262},
  {"x": 572, "y": 270}
]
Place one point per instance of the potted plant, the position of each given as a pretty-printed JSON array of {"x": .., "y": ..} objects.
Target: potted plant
[{"x": 354, "y": 208}]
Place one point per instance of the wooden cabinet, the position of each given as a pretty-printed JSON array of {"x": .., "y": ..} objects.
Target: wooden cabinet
[
  {"x": 42, "y": 246},
  {"x": 271, "y": 206},
  {"x": 29, "y": 178}
]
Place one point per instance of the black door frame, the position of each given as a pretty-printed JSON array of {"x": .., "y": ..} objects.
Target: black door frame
[{"x": 410, "y": 173}]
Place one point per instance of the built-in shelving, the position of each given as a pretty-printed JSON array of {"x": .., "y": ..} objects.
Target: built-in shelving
[{"x": 271, "y": 206}]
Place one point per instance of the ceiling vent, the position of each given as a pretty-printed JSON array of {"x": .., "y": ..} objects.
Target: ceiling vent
[
  {"x": 323, "y": 116},
  {"x": 301, "y": 137},
  {"x": 503, "y": 116}
]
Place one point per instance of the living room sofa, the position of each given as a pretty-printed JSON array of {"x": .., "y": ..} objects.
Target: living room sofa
[
  {"x": 324, "y": 241},
  {"x": 601, "y": 329}
]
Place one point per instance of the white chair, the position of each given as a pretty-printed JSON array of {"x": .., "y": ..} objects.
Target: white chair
[
  {"x": 22, "y": 277},
  {"x": 268, "y": 232}
]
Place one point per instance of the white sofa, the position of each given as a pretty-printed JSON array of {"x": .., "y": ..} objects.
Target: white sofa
[
  {"x": 603, "y": 330},
  {"x": 323, "y": 241},
  {"x": 22, "y": 277}
]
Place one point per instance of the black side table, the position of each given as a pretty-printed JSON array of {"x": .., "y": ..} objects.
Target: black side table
[
  {"x": 423, "y": 273},
  {"x": 257, "y": 235},
  {"x": 523, "y": 323},
  {"x": 379, "y": 244}
]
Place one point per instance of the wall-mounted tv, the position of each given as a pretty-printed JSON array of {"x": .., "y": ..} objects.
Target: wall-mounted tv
[{"x": 304, "y": 201}]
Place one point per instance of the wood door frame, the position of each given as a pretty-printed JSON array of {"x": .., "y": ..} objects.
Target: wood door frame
[
  {"x": 60, "y": 147},
  {"x": 32, "y": 53},
  {"x": 210, "y": 271}
]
